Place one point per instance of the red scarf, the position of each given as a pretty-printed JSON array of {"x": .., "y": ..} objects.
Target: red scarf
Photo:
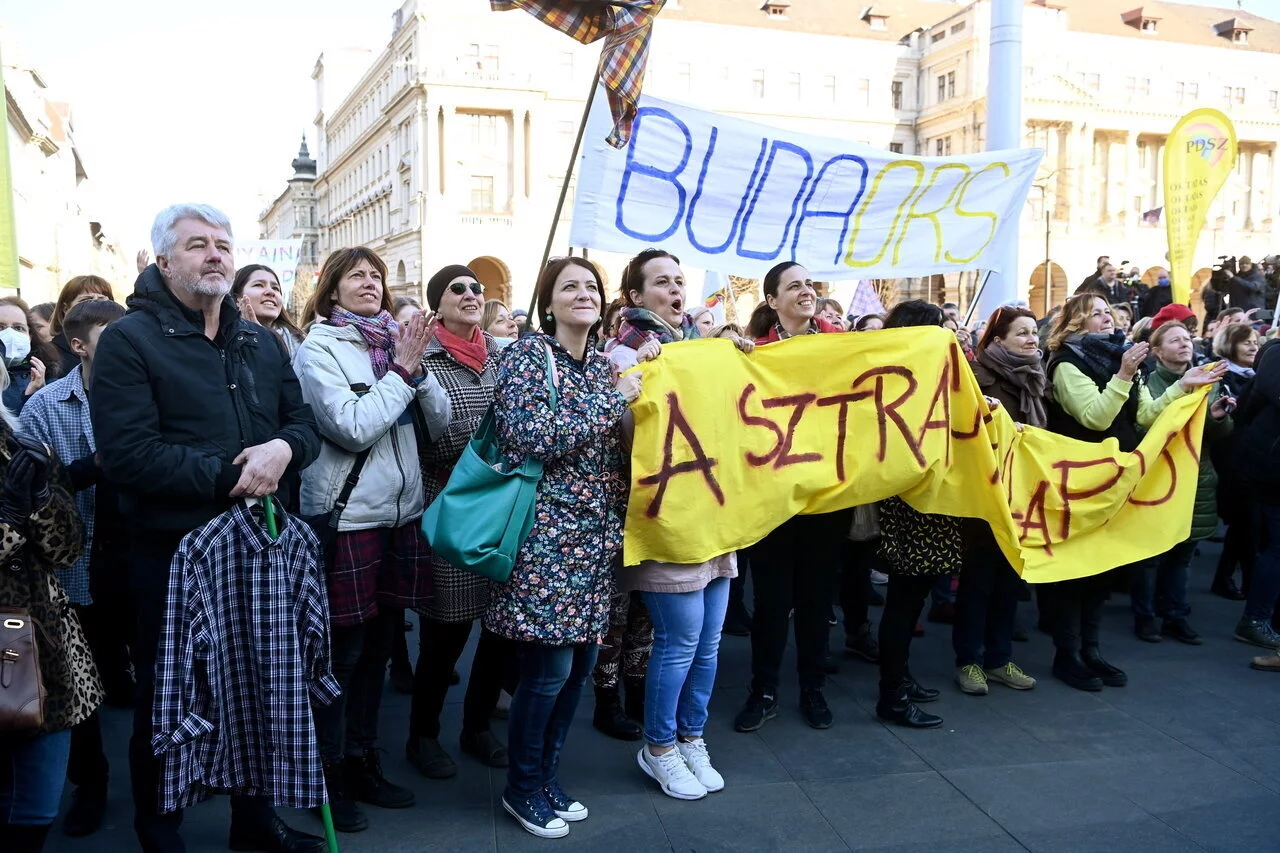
[{"x": 473, "y": 353}]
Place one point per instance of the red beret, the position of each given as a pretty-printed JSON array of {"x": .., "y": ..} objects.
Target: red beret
[{"x": 1175, "y": 313}]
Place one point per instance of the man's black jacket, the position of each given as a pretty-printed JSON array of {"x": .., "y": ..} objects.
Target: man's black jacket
[{"x": 172, "y": 409}]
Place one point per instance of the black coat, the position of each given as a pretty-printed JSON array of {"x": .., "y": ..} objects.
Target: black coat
[
  {"x": 1248, "y": 290},
  {"x": 173, "y": 408},
  {"x": 1156, "y": 298},
  {"x": 1255, "y": 457},
  {"x": 67, "y": 359}
]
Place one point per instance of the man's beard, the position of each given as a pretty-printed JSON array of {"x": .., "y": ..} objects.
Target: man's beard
[{"x": 197, "y": 285}]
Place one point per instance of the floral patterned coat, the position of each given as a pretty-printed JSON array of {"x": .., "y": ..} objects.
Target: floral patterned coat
[{"x": 558, "y": 592}]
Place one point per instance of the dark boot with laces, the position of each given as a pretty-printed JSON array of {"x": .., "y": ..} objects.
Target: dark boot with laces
[
  {"x": 347, "y": 816},
  {"x": 368, "y": 785}
]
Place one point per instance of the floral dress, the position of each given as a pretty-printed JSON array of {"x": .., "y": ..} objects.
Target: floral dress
[{"x": 558, "y": 592}]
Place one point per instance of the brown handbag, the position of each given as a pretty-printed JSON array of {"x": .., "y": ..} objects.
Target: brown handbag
[{"x": 22, "y": 692}]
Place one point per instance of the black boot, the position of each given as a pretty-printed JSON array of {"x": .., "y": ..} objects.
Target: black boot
[
  {"x": 347, "y": 816},
  {"x": 895, "y": 707},
  {"x": 610, "y": 718},
  {"x": 88, "y": 804},
  {"x": 275, "y": 836},
  {"x": 918, "y": 693},
  {"x": 1110, "y": 675},
  {"x": 368, "y": 785},
  {"x": 1071, "y": 670},
  {"x": 20, "y": 838},
  {"x": 635, "y": 697}
]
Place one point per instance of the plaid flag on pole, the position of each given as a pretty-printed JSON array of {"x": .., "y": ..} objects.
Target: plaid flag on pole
[{"x": 626, "y": 25}]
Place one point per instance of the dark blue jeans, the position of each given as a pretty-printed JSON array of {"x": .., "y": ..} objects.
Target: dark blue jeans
[
  {"x": 31, "y": 774},
  {"x": 1158, "y": 587},
  {"x": 551, "y": 681},
  {"x": 1264, "y": 589},
  {"x": 986, "y": 606}
]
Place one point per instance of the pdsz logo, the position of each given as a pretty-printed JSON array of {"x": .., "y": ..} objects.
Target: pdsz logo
[{"x": 1204, "y": 145}]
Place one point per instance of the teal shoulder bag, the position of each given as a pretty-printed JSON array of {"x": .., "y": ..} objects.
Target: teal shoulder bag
[{"x": 485, "y": 512}]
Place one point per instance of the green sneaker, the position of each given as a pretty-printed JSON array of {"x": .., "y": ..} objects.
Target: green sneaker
[
  {"x": 1011, "y": 675},
  {"x": 972, "y": 680}
]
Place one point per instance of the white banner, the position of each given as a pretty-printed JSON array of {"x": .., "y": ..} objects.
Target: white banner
[
  {"x": 736, "y": 196},
  {"x": 283, "y": 256}
]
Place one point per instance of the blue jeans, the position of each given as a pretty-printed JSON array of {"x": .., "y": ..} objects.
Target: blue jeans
[
  {"x": 682, "y": 668},
  {"x": 1158, "y": 587},
  {"x": 551, "y": 680},
  {"x": 32, "y": 770},
  {"x": 1264, "y": 587}
]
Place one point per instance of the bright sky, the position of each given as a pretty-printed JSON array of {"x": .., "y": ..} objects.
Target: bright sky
[{"x": 201, "y": 102}]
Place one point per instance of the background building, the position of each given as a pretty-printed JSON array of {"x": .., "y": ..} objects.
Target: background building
[
  {"x": 450, "y": 145},
  {"x": 58, "y": 235}
]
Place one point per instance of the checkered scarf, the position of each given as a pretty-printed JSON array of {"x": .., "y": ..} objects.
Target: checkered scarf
[{"x": 626, "y": 25}]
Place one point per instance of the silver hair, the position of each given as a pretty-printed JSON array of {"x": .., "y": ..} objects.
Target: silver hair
[{"x": 162, "y": 236}]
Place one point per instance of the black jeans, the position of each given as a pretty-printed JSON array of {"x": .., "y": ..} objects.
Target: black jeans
[
  {"x": 986, "y": 607},
  {"x": 794, "y": 568},
  {"x": 1074, "y": 610},
  {"x": 440, "y": 645},
  {"x": 903, "y": 600},
  {"x": 855, "y": 582},
  {"x": 358, "y": 655},
  {"x": 151, "y": 554}
]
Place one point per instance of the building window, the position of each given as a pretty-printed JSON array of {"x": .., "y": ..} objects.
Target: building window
[
  {"x": 483, "y": 57},
  {"x": 942, "y": 88},
  {"x": 864, "y": 92},
  {"x": 829, "y": 88},
  {"x": 483, "y": 129},
  {"x": 955, "y": 28},
  {"x": 757, "y": 82},
  {"x": 942, "y": 146},
  {"x": 566, "y": 65},
  {"x": 1149, "y": 25},
  {"x": 1240, "y": 96},
  {"x": 1092, "y": 82},
  {"x": 776, "y": 8},
  {"x": 1240, "y": 36},
  {"x": 1273, "y": 99},
  {"x": 793, "y": 85},
  {"x": 895, "y": 92},
  {"x": 1130, "y": 86},
  {"x": 895, "y": 147},
  {"x": 684, "y": 76},
  {"x": 937, "y": 37},
  {"x": 482, "y": 193},
  {"x": 1144, "y": 87},
  {"x": 1226, "y": 95},
  {"x": 1193, "y": 91},
  {"x": 951, "y": 85}
]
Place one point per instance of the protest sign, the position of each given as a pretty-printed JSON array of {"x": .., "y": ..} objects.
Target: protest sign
[
  {"x": 283, "y": 256},
  {"x": 736, "y": 196},
  {"x": 728, "y": 446},
  {"x": 1198, "y": 156}
]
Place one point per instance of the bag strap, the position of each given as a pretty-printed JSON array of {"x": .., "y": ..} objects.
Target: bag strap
[
  {"x": 349, "y": 486},
  {"x": 553, "y": 376}
]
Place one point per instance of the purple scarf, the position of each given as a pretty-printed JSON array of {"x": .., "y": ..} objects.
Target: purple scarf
[{"x": 380, "y": 332}]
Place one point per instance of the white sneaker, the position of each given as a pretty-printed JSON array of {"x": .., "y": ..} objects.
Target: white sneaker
[
  {"x": 699, "y": 763},
  {"x": 671, "y": 773}
]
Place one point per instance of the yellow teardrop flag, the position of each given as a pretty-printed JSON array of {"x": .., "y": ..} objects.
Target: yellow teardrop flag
[
  {"x": 1198, "y": 156},
  {"x": 8, "y": 228}
]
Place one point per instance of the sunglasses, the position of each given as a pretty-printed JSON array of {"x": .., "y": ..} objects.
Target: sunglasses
[{"x": 460, "y": 287}]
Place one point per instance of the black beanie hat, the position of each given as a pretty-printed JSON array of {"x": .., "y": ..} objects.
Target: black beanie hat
[{"x": 439, "y": 281}]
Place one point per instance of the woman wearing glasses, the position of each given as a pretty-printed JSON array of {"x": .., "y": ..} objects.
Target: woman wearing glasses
[{"x": 464, "y": 358}]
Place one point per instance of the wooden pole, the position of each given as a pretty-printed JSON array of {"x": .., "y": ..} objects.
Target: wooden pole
[{"x": 564, "y": 192}]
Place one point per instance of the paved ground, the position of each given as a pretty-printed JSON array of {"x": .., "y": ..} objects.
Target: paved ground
[{"x": 1187, "y": 757}]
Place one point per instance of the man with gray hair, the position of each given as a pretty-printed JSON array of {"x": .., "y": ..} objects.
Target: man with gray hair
[{"x": 194, "y": 409}]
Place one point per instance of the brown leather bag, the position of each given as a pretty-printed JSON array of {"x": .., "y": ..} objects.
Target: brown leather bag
[{"x": 21, "y": 689}]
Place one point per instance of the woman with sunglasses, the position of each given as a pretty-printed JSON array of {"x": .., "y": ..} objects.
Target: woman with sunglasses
[{"x": 464, "y": 358}]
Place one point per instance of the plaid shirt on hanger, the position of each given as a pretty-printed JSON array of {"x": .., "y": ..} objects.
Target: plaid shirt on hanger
[{"x": 244, "y": 648}]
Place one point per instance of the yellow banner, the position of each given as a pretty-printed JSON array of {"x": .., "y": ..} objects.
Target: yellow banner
[
  {"x": 1198, "y": 156},
  {"x": 728, "y": 446},
  {"x": 8, "y": 226}
]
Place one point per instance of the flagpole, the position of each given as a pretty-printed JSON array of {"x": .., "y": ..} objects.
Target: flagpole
[{"x": 564, "y": 191}]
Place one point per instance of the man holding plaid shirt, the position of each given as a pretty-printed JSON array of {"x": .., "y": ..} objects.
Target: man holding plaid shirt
[{"x": 205, "y": 410}]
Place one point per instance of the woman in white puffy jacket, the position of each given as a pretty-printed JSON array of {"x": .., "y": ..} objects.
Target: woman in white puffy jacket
[{"x": 362, "y": 375}]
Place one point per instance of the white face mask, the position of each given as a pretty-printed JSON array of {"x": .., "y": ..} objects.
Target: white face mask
[{"x": 17, "y": 345}]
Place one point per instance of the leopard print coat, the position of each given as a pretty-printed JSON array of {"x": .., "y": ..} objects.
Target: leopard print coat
[{"x": 53, "y": 539}]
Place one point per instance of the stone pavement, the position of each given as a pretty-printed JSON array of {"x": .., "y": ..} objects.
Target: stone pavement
[{"x": 1187, "y": 757}]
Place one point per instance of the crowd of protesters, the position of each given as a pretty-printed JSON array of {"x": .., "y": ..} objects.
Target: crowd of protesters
[{"x": 122, "y": 433}]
